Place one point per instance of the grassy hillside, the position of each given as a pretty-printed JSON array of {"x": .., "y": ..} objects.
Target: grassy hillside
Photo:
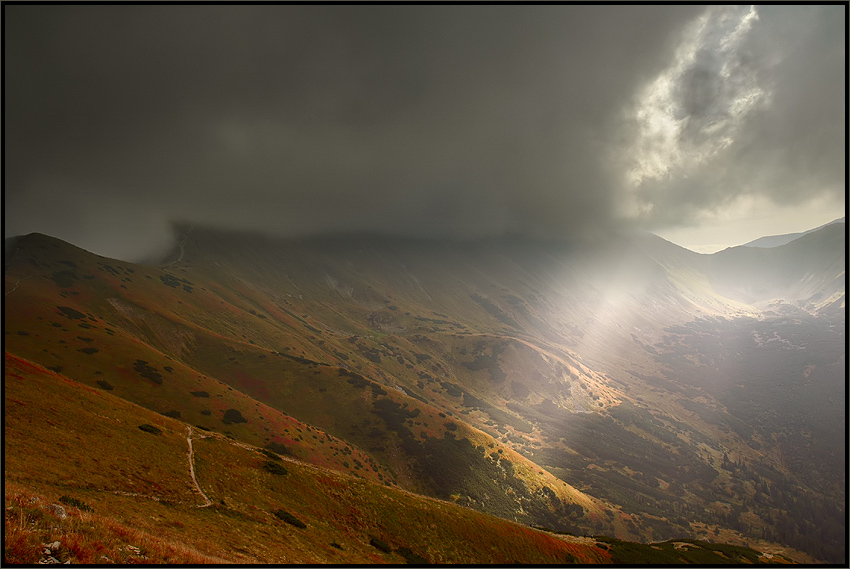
[
  {"x": 539, "y": 384},
  {"x": 138, "y": 340},
  {"x": 131, "y": 499},
  {"x": 132, "y": 487}
]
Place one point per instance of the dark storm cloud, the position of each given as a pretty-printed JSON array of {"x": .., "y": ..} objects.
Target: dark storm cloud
[
  {"x": 423, "y": 120},
  {"x": 788, "y": 146}
]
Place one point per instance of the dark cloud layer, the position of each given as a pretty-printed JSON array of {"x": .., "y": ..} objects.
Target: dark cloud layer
[
  {"x": 790, "y": 146},
  {"x": 420, "y": 120}
]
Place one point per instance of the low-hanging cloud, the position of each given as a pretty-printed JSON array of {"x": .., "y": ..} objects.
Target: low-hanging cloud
[{"x": 438, "y": 121}]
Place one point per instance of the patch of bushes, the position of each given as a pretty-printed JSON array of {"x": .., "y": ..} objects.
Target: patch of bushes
[
  {"x": 150, "y": 429},
  {"x": 64, "y": 278},
  {"x": 71, "y": 313},
  {"x": 170, "y": 280},
  {"x": 380, "y": 545},
  {"x": 411, "y": 557},
  {"x": 105, "y": 384},
  {"x": 233, "y": 416},
  {"x": 79, "y": 504},
  {"x": 271, "y": 455},
  {"x": 452, "y": 389},
  {"x": 279, "y": 448},
  {"x": 420, "y": 357},
  {"x": 290, "y": 519},
  {"x": 275, "y": 468},
  {"x": 142, "y": 368},
  {"x": 88, "y": 351},
  {"x": 354, "y": 379},
  {"x": 200, "y": 393},
  {"x": 174, "y": 414}
]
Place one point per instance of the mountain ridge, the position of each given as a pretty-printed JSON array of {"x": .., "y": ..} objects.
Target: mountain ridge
[{"x": 777, "y": 240}]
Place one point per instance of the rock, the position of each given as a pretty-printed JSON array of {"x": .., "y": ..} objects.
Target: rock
[
  {"x": 54, "y": 546},
  {"x": 58, "y": 510}
]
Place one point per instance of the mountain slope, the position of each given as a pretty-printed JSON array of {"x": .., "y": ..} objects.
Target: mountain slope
[
  {"x": 572, "y": 388},
  {"x": 136, "y": 483},
  {"x": 807, "y": 272}
]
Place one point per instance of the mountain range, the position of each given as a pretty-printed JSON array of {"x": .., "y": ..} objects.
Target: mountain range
[
  {"x": 777, "y": 240},
  {"x": 485, "y": 401}
]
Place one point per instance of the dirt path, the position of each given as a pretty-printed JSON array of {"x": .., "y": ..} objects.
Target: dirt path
[{"x": 192, "y": 469}]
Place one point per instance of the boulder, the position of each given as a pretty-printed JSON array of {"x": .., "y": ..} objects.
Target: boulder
[{"x": 58, "y": 511}]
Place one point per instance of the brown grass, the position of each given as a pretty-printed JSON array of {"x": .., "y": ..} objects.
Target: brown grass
[{"x": 84, "y": 537}]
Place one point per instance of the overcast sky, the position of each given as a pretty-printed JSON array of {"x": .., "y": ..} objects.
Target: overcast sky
[{"x": 710, "y": 126}]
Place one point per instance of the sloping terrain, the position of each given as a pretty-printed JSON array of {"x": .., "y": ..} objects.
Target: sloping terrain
[
  {"x": 572, "y": 389},
  {"x": 129, "y": 497}
]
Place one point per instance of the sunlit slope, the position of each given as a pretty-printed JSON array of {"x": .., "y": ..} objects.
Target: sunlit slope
[
  {"x": 65, "y": 439},
  {"x": 160, "y": 346}
]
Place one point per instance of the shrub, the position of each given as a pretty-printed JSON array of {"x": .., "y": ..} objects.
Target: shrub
[
  {"x": 270, "y": 455},
  {"x": 79, "y": 504},
  {"x": 88, "y": 351},
  {"x": 380, "y": 545},
  {"x": 169, "y": 280},
  {"x": 199, "y": 393},
  {"x": 64, "y": 278},
  {"x": 174, "y": 414},
  {"x": 279, "y": 448},
  {"x": 274, "y": 468},
  {"x": 145, "y": 370},
  {"x": 411, "y": 557},
  {"x": 150, "y": 429},
  {"x": 233, "y": 416},
  {"x": 71, "y": 313},
  {"x": 289, "y": 518},
  {"x": 105, "y": 384}
]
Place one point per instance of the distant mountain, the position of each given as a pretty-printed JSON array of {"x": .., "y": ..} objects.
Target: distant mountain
[
  {"x": 777, "y": 240},
  {"x": 630, "y": 388},
  {"x": 807, "y": 272}
]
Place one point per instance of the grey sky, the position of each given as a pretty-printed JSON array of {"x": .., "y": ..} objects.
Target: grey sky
[{"x": 420, "y": 120}]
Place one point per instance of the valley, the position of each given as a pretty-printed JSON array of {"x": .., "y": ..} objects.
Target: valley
[{"x": 439, "y": 399}]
